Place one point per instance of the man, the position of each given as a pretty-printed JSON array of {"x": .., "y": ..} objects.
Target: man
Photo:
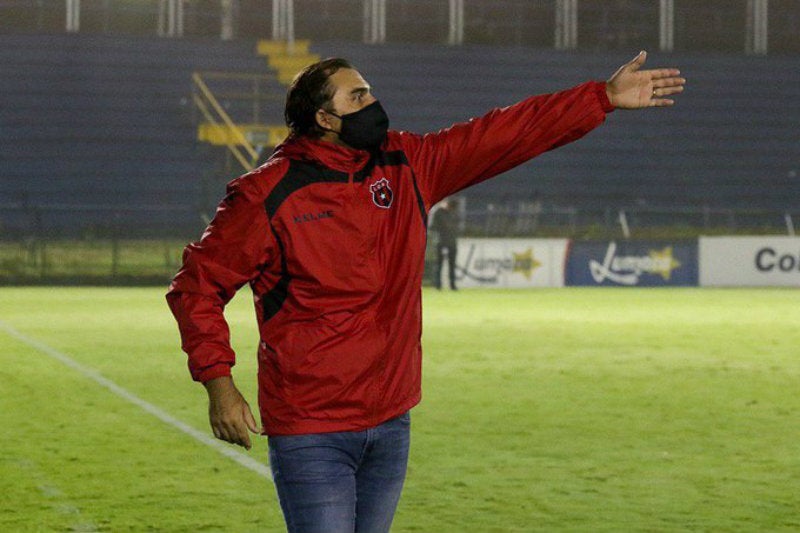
[
  {"x": 445, "y": 224},
  {"x": 330, "y": 235}
]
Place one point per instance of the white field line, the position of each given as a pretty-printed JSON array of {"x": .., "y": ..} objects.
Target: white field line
[
  {"x": 225, "y": 449},
  {"x": 55, "y": 498}
]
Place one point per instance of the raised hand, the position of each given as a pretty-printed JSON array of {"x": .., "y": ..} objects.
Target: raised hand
[{"x": 632, "y": 88}]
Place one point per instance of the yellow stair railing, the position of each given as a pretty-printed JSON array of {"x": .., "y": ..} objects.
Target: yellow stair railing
[
  {"x": 242, "y": 137},
  {"x": 219, "y": 128}
]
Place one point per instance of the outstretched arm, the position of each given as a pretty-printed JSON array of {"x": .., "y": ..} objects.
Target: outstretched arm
[
  {"x": 632, "y": 88},
  {"x": 467, "y": 153}
]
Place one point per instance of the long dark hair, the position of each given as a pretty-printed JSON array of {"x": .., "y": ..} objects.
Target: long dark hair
[{"x": 310, "y": 90}]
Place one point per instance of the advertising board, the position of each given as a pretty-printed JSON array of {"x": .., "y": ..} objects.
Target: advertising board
[
  {"x": 505, "y": 263},
  {"x": 632, "y": 264},
  {"x": 760, "y": 261}
]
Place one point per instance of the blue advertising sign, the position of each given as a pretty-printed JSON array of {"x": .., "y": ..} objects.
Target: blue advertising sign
[{"x": 632, "y": 264}]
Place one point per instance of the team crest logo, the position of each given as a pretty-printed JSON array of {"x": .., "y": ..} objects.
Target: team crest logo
[{"x": 382, "y": 195}]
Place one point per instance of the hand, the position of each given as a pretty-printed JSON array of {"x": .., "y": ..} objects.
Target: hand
[
  {"x": 631, "y": 88},
  {"x": 229, "y": 413}
]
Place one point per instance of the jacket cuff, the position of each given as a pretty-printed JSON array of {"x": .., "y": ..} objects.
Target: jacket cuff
[
  {"x": 605, "y": 103},
  {"x": 217, "y": 371}
]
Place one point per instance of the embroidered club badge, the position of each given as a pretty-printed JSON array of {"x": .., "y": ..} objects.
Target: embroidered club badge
[{"x": 382, "y": 195}]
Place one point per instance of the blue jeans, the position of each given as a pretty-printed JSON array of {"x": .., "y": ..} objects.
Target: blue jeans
[{"x": 348, "y": 482}]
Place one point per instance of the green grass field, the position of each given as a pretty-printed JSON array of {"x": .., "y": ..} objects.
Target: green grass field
[{"x": 547, "y": 410}]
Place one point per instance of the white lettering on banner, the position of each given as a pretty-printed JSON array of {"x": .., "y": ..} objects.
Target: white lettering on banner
[{"x": 627, "y": 270}]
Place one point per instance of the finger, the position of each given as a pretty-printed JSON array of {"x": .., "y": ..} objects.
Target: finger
[
  {"x": 226, "y": 430},
  {"x": 669, "y": 82},
  {"x": 661, "y": 102},
  {"x": 241, "y": 437},
  {"x": 236, "y": 432},
  {"x": 224, "y": 434},
  {"x": 250, "y": 420},
  {"x": 219, "y": 429},
  {"x": 667, "y": 91},
  {"x": 637, "y": 62},
  {"x": 661, "y": 73}
]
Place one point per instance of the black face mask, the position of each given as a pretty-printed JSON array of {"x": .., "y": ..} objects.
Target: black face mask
[{"x": 364, "y": 129}]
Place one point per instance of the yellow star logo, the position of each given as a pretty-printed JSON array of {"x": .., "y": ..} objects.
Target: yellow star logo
[
  {"x": 525, "y": 263},
  {"x": 663, "y": 262}
]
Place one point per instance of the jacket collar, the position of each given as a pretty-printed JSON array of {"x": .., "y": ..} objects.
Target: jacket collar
[{"x": 327, "y": 154}]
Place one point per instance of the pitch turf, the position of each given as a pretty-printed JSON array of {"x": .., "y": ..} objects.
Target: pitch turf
[{"x": 546, "y": 410}]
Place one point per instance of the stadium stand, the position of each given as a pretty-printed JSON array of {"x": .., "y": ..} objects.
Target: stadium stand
[
  {"x": 91, "y": 120},
  {"x": 732, "y": 141},
  {"x": 97, "y": 128}
]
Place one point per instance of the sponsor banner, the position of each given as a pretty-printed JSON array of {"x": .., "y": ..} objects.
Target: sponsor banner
[
  {"x": 504, "y": 263},
  {"x": 750, "y": 261},
  {"x": 632, "y": 264}
]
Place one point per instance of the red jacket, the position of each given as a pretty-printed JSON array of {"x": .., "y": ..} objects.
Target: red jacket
[{"x": 332, "y": 243}]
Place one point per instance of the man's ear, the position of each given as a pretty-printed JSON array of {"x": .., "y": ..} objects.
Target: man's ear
[{"x": 323, "y": 120}]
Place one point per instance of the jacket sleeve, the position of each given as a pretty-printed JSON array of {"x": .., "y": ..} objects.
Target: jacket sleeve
[
  {"x": 468, "y": 153},
  {"x": 237, "y": 244}
]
